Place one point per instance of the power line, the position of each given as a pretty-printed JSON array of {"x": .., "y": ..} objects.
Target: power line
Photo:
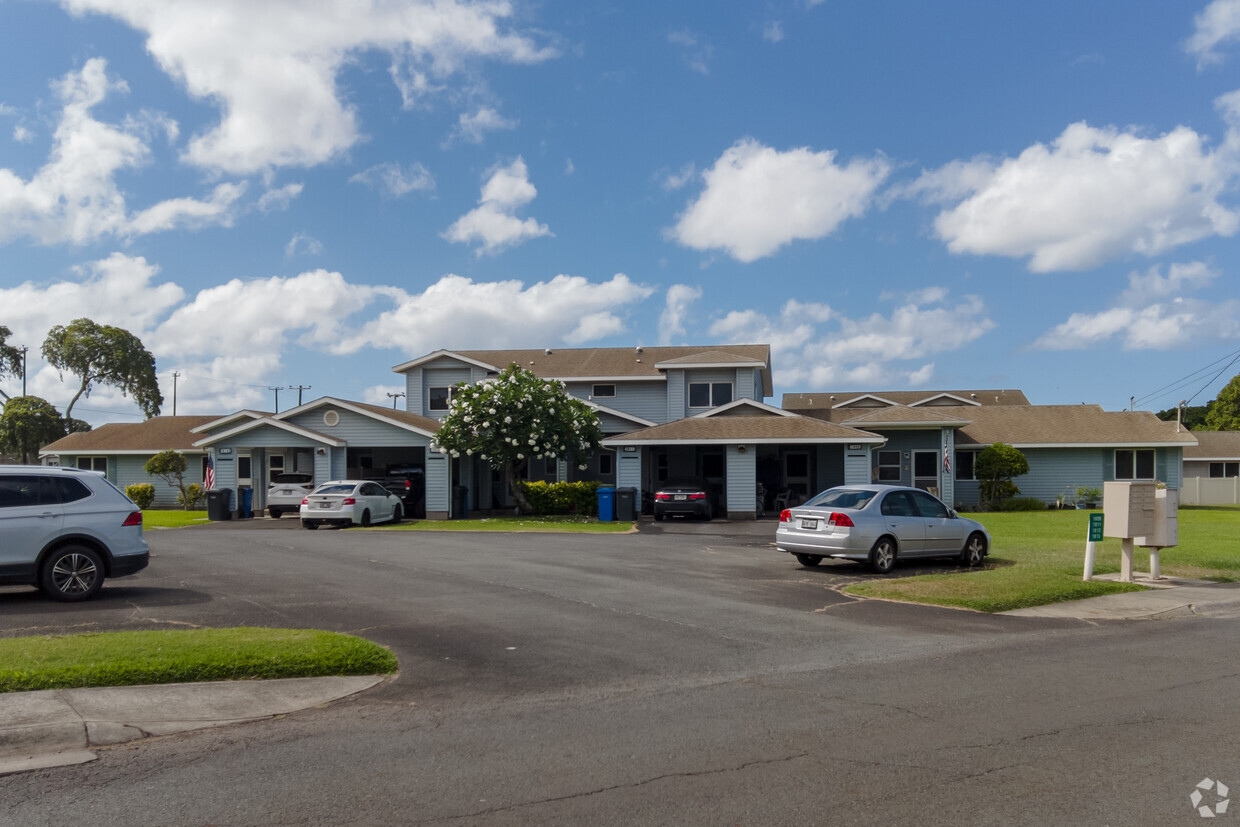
[{"x": 1191, "y": 378}]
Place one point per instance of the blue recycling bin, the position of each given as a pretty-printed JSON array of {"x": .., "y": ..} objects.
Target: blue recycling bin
[
  {"x": 606, "y": 505},
  {"x": 247, "y": 502}
]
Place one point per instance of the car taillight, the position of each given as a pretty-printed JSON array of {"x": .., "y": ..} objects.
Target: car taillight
[
  {"x": 305, "y": 500},
  {"x": 349, "y": 501},
  {"x": 133, "y": 519},
  {"x": 785, "y": 516},
  {"x": 840, "y": 520},
  {"x": 662, "y": 496},
  {"x": 408, "y": 485},
  {"x": 697, "y": 496}
]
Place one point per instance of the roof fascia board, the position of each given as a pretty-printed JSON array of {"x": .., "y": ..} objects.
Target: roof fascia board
[
  {"x": 140, "y": 452},
  {"x": 646, "y": 378},
  {"x": 980, "y": 445},
  {"x": 752, "y": 403},
  {"x": 421, "y": 360},
  {"x": 348, "y": 406},
  {"x": 619, "y": 414},
  {"x": 818, "y": 440},
  {"x": 739, "y": 363},
  {"x": 930, "y": 399},
  {"x": 224, "y": 420},
  {"x": 849, "y": 403},
  {"x": 905, "y": 426},
  {"x": 284, "y": 426}
]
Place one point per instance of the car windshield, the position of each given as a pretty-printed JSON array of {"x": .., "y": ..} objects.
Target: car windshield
[
  {"x": 335, "y": 489},
  {"x": 843, "y": 498},
  {"x": 291, "y": 479}
]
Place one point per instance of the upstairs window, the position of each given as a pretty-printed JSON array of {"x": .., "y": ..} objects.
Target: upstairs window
[
  {"x": 437, "y": 399},
  {"x": 709, "y": 394},
  {"x": 604, "y": 391},
  {"x": 1132, "y": 464}
]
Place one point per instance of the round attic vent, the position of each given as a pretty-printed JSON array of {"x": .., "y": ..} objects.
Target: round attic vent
[{"x": 331, "y": 418}]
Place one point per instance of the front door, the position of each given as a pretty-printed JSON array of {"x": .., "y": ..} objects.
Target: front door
[{"x": 926, "y": 471}]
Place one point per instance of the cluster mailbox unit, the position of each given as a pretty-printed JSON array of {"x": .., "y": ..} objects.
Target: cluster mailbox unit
[{"x": 1141, "y": 513}]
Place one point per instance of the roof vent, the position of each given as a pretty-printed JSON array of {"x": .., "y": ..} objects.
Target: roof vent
[
  {"x": 547, "y": 352},
  {"x": 973, "y": 396},
  {"x": 639, "y": 349}
]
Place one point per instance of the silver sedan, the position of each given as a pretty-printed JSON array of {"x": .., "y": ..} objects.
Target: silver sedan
[
  {"x": 876, "y": 524},
  {"x": 350, "y": 502}
]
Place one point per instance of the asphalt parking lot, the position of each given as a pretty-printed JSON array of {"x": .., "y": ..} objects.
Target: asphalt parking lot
[{"x": 687, "y": 675}]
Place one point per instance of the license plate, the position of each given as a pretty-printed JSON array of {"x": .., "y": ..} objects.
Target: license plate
[
  {"x": 680, "y": 497},
  {"x": 325, "y": 505},
  {"x": 285, "y": 492},
  {"x": 809, "y": 524}
]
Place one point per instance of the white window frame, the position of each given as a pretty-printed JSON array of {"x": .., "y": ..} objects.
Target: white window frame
[
  {"x": 430, "y": 403},
  {"x": 1135, "y": 452},
  {"x": 710, "y": 394}
]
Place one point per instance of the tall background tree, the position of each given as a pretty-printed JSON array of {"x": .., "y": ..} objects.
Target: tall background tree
[
  {"x": 27, "y": 424},
  {"x": 516, "y": 418},
  {"x": 1224, "y": 413},
  {"x": 104, "y": 355},
  {"x": 1194, "y": 416},
  {"x": 10, "y": 356}
]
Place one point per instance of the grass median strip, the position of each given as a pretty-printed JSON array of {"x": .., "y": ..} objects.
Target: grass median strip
[
  {"x": 1037, "y": 558},
  {"x": 584, "y": 525},
  {"x": 184, "y": 656}
]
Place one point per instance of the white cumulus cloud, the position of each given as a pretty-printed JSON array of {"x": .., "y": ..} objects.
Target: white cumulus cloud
[
  {"x": 757, "y": 199},
  {"x": 273, "y": 67},
  {"x": 1153, "y": 313},
  {"x": 396, "y": 180},
  {"x": 492, "y": 223},
  {"x": 74, "y": 197},
  {"x": 1217, "y": 24},
  {"x": 473, "y": 128},
  {"x": 1091, "y": 196}
]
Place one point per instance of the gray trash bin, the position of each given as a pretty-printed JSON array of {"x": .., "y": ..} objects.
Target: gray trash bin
[
  {"x": 626, "y": 504},
  {"x": 219, "y": 504},
  {"x": 460, "y": 502}
]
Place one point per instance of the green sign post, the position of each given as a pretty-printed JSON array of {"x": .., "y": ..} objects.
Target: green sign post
[{"x": 1095, "y": 528}]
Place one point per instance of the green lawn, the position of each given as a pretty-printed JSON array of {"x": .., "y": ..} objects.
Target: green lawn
[
  {"x": 172, "y": 519},
  {"x": 184, "y": 655},
  {"x": 566, "y": 523},
  {"x": 1038, "y": 557}
]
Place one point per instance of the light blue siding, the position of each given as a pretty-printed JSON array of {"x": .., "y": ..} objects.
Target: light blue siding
[
  {"x": 414, "y": 400},
  {"x": 437, "y": 494},
  {"x": 323, "y": 466},
  {"x": 647, "y": 400},
  {"x": 696, "y": 376},
  {"x": 359, "y": 430},
  {"x": 129, "y": 470},
  {"x": 677, "y": 401},
  {"x": 741, "y": 487},
  {"x": 857, "y": 466},
  {"x": 745, "y": 380},
  {"x": 629, "y": 470},
  {"x": 440, "y": 378},
  {"x": 1055, "y": 471}
]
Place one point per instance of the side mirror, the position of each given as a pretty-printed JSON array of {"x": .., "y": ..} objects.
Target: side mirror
[{"x": 951, "y": 513}]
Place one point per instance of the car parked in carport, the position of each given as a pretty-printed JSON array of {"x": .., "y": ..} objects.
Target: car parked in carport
[
  {"x": 877, "y": 524},
  {"x": 350, "y": 502},
  {"x": 684, "y": 498},
  {"x": 286, "y": 492}
]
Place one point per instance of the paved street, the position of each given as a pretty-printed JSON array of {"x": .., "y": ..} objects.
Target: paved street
[{"x": 664, "y": 677}]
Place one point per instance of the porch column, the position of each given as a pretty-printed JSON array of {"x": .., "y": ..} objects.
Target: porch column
[
  {"x": 742, "y": 482},
  {"x": 947, "y": 468}
]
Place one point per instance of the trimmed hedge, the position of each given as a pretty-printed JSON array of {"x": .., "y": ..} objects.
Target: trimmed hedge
[
  {"x": 562, "y": 497},
  {"x": 142, "y": 494}
]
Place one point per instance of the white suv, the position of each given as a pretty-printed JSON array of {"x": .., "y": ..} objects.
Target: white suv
[{"x": 64, "y": 530}]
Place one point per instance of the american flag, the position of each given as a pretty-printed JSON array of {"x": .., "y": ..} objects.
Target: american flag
[
  {"x": 947, "y": 456},
  {"x": 209, "y": 481}
]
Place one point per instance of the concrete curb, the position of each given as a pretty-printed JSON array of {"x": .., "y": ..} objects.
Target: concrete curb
[{"x": 60, "y": 726}]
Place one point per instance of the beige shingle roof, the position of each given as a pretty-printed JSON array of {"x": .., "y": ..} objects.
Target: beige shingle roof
[
  {"x": 156, "y": 434},
  {"x": 617, "y": 362},
  {"x": 1214, "y": 445},
  {"x": 805, "y": 402},
  {"x": 906, "y": 416},
  {"x": 1029, "y": 425},
  {"x": 425, "y": 423},
  {"x": 773, "y": 428}
]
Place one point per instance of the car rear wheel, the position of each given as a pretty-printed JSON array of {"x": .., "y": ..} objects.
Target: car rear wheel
[
  {"x": 72, "y": 573},
  {"x": 309, "y": 525},
  {"x": 274, "y": 513},
  {"x": 366, "y": 518},
  {"x": 974, "y": 551},
  {"x": 883, "y": 555},
  {"x": 658, "y": 517},
  {"x": 808, "y": 560}
]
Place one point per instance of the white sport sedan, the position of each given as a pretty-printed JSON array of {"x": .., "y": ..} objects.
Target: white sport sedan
[{"x": 350, "y": 502}]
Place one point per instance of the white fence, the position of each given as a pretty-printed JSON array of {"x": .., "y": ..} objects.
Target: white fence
[{"x": 1210, "y": 491}]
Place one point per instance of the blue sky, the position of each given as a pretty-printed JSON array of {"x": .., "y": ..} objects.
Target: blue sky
[{"x": 901, "y": 195}]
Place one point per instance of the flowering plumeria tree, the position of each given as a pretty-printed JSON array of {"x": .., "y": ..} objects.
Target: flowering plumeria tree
[{"x": 516, "y": 418}]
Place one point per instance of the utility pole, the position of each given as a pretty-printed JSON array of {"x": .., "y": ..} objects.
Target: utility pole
[
  {"x": 175, "y": 376},
  {"x": 277, "y": 390},
  {"x": 394, "y": 397},
  {"x": 24, "y": 351},
  {"x": 299, "y": 389}
]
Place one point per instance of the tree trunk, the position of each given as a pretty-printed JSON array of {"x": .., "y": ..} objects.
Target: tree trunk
[{"x": 523, "y": 504}]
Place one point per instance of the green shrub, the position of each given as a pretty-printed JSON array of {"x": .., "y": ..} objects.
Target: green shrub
[
  {"x": 142, "y": 494},
  {"x": 562, "y": 497},
  {"x": 191, "y": 495},
  {"x": 1019, "y": 504}
]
